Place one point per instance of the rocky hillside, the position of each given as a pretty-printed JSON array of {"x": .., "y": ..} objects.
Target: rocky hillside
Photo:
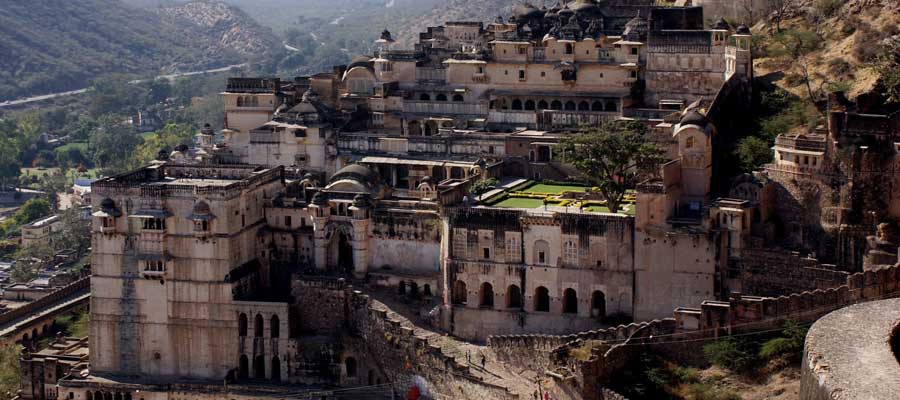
[
  {"x": 56, "y": 45},
  {"x": 226, "y": 27},
  {"x": 841, "y": 44}
]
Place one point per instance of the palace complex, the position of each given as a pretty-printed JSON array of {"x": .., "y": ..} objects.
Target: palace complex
[{"x": 327, "y": 243}]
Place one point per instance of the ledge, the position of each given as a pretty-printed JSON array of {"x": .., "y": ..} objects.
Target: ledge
[{"x": 848, "y": 354}]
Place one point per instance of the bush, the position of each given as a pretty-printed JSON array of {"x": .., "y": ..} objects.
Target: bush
[
  {"x": 828, "y": 7},
  {"x": 705, "y": 391},
  {"x": 483, "y": 186},
  {"x": 789, "y": 345},
  {"x": 736, "y": 355}
]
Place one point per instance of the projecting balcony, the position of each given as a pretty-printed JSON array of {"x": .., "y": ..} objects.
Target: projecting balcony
[
  {"x": 431, "y": 75},
  {"x": 444, "y": 108}
]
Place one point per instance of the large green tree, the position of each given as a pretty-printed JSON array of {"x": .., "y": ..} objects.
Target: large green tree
[
  {"x": 112, "y": 143},
  {"x": 613, "y": 157}
]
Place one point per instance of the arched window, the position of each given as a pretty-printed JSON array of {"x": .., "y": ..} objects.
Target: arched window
[
  {"x": 414, "y": 290},
  {"x": 542, "y": 105},
  {"x": 556, "y": 105},
  {"x": 254, "y": 101},
  {"x": 242, "y": 325},
  {"x": 513, "y": 297},
  {"x": 584, "y": 106},
  {"x": 487, "y": 295},
  {"x": 414, "y": 128},
  {"x": 244, "y": 367},
  {"x": 459, "y": 293},
  {"x": 401, "y": 288},
  {"x": 426, "y": 290},
  {"x": 541, "y": 299},
  {"x": 441, "y": 97},
  {"x": 275, "y": 327},
  {"x": 89, "y": 396},
  {"x": 457, "y": 97},
  {"x": 569, "y": 48},
  {"x": 570, "y": 301},
  {"x": 259, "y": 367},
  {"x": 240, "y": 101},
  {"x": 516, "y": 104},
  {"x": 541, "y": 252},
  {"x": 350, "y": 364},
  {"x": 689, "y": 142},
  {"x": 570, "y": 105},
  {"x": 424, "y": 97},
  {"x": 611, "y": 106},
  {"x": 598, "y": 305},
  {"x": 276, "y": 369},
  {"x": 258, "y": 326},
  {"x": 596, "y": 106},
  {"x": 529, "y": 105}
]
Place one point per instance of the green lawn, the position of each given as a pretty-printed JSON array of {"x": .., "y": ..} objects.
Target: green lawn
[
  {"x": 520, "y": 203},
  {"x": 553, "y": 189}
]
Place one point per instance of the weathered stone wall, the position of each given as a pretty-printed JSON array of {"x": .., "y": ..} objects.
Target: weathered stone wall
[
  {"x": 847, "y": 356},
  {"x": 777, "y": 273},
  {"x": 320, "y": 305}
]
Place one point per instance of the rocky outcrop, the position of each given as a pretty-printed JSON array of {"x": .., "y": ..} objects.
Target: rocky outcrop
[{"x": 226, "y": 27}]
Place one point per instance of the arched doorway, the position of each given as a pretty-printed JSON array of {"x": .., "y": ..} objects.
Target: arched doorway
[
  {"x": 570, "y": 301},
  {"x": 242, "y": 325},
  {"x": 598, "y": 305},
  {"x": 259, "y": 367},
  {"x": 459, "y": 293},
  {"x": 414, "y": 128},
  {"x": 487, "y": 296},
  {"x": 275, "y": 327},
  {"x": 541, "y": 299},
  {"x": 570, "y": 105},
  {"x": 276, "y": 369},
  {"x": 556, "y": 105},
  {"x": 345, "y": 253},
  {"x": 244, "y": 367},
  {"x": 513, "y": 297},
  {"x": 350, "y": 365},
  {"x": 258, "y": 326},
  {"x": 401, "y": 289},
  {"x": 542, "y": 105}
]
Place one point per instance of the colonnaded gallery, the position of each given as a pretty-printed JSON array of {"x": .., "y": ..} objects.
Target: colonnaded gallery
[{"x": 328, "y": 244}]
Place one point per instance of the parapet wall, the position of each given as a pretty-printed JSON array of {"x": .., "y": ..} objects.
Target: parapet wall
[
  {"x": 82, "y": 284},
  {"x": 616, "y": 345}
]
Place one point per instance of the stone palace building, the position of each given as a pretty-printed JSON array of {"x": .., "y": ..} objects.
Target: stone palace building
[{"x": 288, "y": 256}]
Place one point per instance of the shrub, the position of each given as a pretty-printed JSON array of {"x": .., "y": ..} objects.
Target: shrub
[
  {"x": 734, "y": 354},
  {"x": 483, "y": 185},
  {"x": 789, "y": 345},
  {"x": 687, "y": 374},
  {"x": 828, "y": 7},
  {"x": 705, "y": 391}
]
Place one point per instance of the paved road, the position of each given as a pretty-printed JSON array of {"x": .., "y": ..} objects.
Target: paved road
[{"x": 170, "y": 77}]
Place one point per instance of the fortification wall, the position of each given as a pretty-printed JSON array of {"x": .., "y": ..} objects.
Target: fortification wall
[{"x": 776, "y": 273}]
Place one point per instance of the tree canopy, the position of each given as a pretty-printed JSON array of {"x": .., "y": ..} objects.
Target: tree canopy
[{"x": 613, "y": 157}]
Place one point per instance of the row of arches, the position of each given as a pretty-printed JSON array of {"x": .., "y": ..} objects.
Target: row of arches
[
  {"x": 540, "y": 105},
  {"x": 99, "y": 395},
  {"x": 259, "y": 368},
  {"x": 426, "y": 128},
  {"x": 514, "y": 299},
  {"x": 274, "y": 326},
  {"x": 35, "y": 334},
  {"x": 411, "y": 289},
  {"x": 442, "y": 97},
  {"x": 248, "y": 101}
]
